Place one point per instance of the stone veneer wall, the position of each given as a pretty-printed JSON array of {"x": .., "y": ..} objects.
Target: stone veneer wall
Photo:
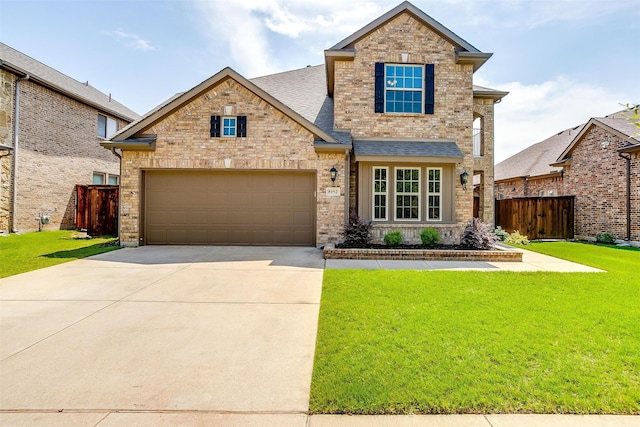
[
  {"x": 58, "y": 148},
  {"x": 597, "y": 177},
  {"x": 273, "y": 142},
  {"x": 453, "y": 119},
  {"x": 7, "y": 81}
]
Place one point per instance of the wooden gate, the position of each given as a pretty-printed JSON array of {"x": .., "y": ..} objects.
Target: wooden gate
[
  {"x": 537, "y": 217},
  {"x": 97, "y": 209}
]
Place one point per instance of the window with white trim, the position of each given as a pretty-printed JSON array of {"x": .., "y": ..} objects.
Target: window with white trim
[
  {"x": 229, "y": 126},
  {"x": 380, "y": 193},
  {"x": 102, "y": 178},
  {"x": 403, "y": 88},
  {"x": 434, "y": 194},
  {"x": 407, "y": 194}
]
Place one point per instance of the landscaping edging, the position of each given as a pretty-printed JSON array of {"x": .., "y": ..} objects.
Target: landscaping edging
[{"x": 497, "y": 255}]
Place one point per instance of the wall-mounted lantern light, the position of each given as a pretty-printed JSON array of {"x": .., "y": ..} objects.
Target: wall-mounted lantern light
[
  {"x": 464, "y": 178},
  {"x": 334, "y": 174}
]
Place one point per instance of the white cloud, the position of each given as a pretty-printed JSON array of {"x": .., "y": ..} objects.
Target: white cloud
[
  {"x": 134, "y": 41},
  {"x": 533, "y": 113}
]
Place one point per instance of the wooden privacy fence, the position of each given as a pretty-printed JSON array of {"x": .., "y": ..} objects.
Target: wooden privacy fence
[
  {"x": 537, "y": 217},
  {"x": 97, "y": 209}
]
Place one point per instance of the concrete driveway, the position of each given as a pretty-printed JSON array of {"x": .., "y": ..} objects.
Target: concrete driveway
[{"x": 162, "y": 336}]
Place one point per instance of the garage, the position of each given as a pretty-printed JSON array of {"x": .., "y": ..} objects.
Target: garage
[{"x": 229, "y": 208}]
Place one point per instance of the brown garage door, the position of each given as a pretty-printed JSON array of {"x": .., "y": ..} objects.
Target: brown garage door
[{"x": 229, "y": 208}]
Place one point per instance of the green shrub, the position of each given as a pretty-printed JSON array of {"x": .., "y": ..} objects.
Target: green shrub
[
  {"x": 478, "y": 235},
  {"x": 516, "y": 238},
  {"x": 393, "y": 238},
  {"x": 357, "y": 233},
  {"x": 501, "y": 233},
  {"x": 606, "y": 238},
  {"x": 430, "y": 237}
]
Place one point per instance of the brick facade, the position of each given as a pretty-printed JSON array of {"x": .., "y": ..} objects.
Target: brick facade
[
  {"x": 452, "y": 119},
  {"x": 274, "y": 142},
  {"x": 58, "y": 148},
  {"x": 597, "y": 177}
]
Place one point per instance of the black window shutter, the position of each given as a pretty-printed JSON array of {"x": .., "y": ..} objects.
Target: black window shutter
[
  {"x": 379, "y": 102},
  {"x": 215, "y": 126},
  {"x": 242, "y": 126},
  {"x": 429, "y": 88}
]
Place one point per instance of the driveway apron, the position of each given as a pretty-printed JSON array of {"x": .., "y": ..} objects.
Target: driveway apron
[{"x": 225, "y": 330}]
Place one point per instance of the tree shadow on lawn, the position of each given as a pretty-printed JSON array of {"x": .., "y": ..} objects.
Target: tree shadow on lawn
[{"x": 83, "y": 252}]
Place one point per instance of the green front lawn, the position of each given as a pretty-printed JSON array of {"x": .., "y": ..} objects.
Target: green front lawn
[
  {"x": 30, "y": 251},
  {"x": 394, "y": 342}
]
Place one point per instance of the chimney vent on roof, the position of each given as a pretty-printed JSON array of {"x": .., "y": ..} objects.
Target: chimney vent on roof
[{"x": 86, "y": 83}]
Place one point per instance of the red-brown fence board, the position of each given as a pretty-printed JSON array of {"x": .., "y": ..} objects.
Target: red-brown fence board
[
  {"x": 97, "y": 209},
  {"x": 537, "y": 217}
]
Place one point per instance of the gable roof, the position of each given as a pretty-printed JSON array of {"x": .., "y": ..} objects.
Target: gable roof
[
  {"x": 466, "y": 53},
  {"x": 546, "y": 157},
  {"x": 22, "y": 65},
  {"x": 618, "y": 124},
  {"x": 178, "y": 100},
  {"x": 536, "y": 160}
]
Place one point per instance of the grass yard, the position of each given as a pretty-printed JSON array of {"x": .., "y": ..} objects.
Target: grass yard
[
  {"x": 398, "y": 342},
  {"x": 30, "y": 251}
]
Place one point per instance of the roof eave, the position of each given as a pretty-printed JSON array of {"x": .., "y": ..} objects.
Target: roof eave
[
  {"x": 330, "y": 58},
  {"x": 128, "y": 145},
  {"x": 22, "y": 73},
  {"x": 630, "y": 149},
  {"x": 477, "y": 59}
]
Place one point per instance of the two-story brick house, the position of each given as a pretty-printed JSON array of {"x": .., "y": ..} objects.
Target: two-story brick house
[
  {"x": 384, "y": 128},
  {"x": 50, "y": 129},
  {"x": 597, "y": 162}
]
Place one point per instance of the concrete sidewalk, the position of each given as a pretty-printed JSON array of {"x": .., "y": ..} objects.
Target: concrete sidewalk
[{"x": 531, "y": 261}]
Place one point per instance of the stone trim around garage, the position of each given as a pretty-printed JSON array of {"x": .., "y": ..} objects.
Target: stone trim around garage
[{"x": 498, "y": 255}]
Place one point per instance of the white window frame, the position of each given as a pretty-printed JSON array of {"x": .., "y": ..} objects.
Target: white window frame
[
  {"x": 434, "y": 193},
  {"x": 402, "y": 193},
  {"x": 110, "y": 176},
  {"x": 389, "y": 86},
  {"x": 224, "y": 127},
  {"x": 101, "y": 174},
  {"x": 380, "y": 193}
]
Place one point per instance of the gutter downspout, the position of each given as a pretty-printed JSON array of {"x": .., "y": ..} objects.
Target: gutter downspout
[
  {"x": 628, "y": 159},
  {"x": 16, "y": 138}
]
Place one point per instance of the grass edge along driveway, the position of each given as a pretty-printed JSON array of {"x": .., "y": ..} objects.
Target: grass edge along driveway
[
  {"x": 20, "y": 253},
  {"x": 401, "y": 342}
]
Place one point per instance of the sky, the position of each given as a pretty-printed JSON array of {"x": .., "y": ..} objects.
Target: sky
[{"x": 563, "y": 61}]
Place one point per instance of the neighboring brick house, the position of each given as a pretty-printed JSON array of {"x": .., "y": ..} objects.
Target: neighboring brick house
[
  {"x": 51, "y": 126},
  {"x": 383, "y": 128},
  {"x": 597, "y": 162}
]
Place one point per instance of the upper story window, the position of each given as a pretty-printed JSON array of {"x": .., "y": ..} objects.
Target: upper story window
[
  {"x": 106, "y": 126},
  {"x": 404, "y": 88},
  {"x": 228, "y": 127}
]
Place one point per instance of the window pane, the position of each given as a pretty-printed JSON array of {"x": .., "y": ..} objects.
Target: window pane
[
  {"x": 102, "y": 126},
  {"x": 112, "y": 127},
  {"x": 98, "y": 179},
  {"x": 113, "y": 180}
]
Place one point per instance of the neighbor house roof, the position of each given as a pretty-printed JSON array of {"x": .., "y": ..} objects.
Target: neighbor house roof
[
  {"x": 618, "y": 124},
  {"x": 125, "y": 137},
  {"x": 536, "y": 160},
  {"x": 22, "y": 65},
  {"x": 344, "y": 50}
]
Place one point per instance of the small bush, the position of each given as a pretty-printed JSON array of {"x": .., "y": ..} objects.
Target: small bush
[
  {"x": 357, "y": 233},
  {"x": 478, "y": 235},
  {"x": 393, "y": 238},
  {"x": 430, "y": 237},
  {"x": 605, "y": 238},
  {"x": 501, "y": 233},
  {"x": 516, "y": 238}
]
